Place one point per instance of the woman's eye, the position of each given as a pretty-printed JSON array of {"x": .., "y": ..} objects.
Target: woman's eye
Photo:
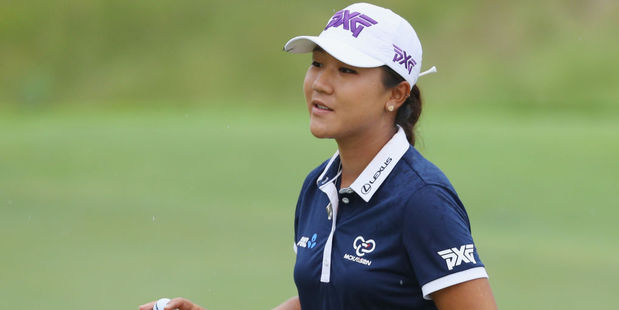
[
  {"x": 315, "y": 64},
  {"x": 347, "y": 70}
]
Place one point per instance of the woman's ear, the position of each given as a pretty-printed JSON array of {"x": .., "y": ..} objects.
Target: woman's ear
[{"x": 398, "y": 95}]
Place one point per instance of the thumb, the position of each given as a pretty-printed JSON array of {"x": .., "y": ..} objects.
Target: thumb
[{"x": 147, "y": 306}]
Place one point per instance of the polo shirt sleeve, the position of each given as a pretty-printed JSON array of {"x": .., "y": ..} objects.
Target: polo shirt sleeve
[{"x": 437, "y": 238}]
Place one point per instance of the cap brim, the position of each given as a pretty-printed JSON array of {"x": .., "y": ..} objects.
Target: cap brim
[{"x": 342, "y": 52}]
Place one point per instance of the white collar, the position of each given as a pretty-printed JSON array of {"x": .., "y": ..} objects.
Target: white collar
[{"x": 375, "y": 173}]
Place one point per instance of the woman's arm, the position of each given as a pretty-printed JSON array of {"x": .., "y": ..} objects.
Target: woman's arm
[
  {"x": 290, "y": 304},
  {"x": 475, "y": 294},
  {"x": 176, "y": 303}
]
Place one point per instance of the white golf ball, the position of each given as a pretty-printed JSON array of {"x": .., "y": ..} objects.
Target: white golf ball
[{"x": 161, "y": 303}]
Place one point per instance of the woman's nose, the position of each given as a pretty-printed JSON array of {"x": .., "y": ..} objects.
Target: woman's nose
[{"x": 323, "y": 82}]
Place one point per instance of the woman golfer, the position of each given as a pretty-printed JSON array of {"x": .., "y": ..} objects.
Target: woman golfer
[{"x": 377, "y": 226}]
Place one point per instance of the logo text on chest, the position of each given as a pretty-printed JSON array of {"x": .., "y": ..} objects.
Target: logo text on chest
[
  {"x": 306, "y": 242},
  {"x": 361, "y": 247},
  {"x": 357, "y": 259}
]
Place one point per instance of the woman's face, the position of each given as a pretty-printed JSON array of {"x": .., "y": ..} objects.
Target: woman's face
[{"x": 343, "y": 101}]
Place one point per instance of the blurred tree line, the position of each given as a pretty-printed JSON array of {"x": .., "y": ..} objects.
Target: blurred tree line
[{"x": 530, "y": 54}]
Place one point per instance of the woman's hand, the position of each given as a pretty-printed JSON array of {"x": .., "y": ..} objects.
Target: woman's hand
[{"x": 176, "y": 303}]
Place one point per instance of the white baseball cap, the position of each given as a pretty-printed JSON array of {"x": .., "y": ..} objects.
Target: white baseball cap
[{"x": 367, "y": 36}]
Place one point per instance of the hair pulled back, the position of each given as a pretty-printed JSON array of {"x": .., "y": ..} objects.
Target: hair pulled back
[{"x": 409, "y": 112}]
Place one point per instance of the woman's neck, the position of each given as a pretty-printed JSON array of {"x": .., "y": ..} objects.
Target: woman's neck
[{"x": 358, "y": 151}]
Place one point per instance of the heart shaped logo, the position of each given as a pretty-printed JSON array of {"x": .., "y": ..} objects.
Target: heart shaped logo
[{"x": 363, "y": 246}]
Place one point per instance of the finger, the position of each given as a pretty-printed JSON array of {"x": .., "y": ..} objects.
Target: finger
[
  {"x": 182, "y": 304},
  {"x": 178, "y": 303},
  {"x": 148, "y": 306}
]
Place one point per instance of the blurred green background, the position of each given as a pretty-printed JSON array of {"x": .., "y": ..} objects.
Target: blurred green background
[{"x": 156, "y": 148}]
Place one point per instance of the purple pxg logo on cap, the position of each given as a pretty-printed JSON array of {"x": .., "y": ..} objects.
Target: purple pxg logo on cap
[
  {"x": 355, "y": 21},
  {"x": 403, "y": 58}
]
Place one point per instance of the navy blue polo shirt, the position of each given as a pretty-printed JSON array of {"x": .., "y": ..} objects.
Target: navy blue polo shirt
[{"x": 396, "y": 235}]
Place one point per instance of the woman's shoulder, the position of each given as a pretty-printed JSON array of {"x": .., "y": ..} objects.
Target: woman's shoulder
[
  {"x": 428, "y": 186},
  {"x": 424, "y": 171}
]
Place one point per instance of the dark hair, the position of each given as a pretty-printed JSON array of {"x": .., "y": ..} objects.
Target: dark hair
[{"x": 409, "y": 112}]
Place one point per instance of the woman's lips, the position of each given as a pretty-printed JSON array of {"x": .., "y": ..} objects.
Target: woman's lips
[{"x": 318, "y": 107}]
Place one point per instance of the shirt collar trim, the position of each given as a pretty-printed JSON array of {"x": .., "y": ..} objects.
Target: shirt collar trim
[
  {"x": 323, "y": 178},
  {"x": 375, "y": 173}
]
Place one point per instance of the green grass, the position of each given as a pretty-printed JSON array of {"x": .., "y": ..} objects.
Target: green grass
[
  {"x": 102, "y": 202},
  {"x": 538, "y": 53},
  {"x": 109, "y": 208}
]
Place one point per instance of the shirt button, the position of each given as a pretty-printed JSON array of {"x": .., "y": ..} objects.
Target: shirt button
[{"x": 345, "y": 200}]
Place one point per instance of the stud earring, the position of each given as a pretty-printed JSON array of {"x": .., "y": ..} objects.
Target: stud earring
[{"x": 390, "y": 108}]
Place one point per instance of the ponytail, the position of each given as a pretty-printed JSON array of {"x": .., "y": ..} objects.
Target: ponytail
[{"x": 409, "y": 112}]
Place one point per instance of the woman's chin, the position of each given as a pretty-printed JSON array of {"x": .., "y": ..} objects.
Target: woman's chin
[{"x": 319, "y": 132}]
